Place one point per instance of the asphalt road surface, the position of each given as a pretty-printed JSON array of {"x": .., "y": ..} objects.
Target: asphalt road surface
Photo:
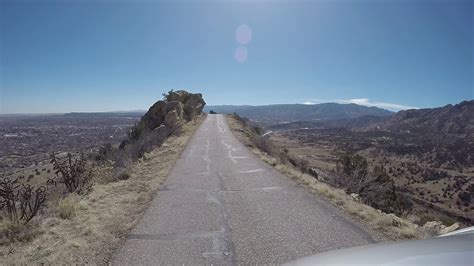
[{"x": 222, "y": 205}]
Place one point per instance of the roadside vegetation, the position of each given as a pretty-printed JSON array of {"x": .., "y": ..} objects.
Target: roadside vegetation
[
  {"x": 366, "y": 192},
  {"x": 84, "y": 209}
]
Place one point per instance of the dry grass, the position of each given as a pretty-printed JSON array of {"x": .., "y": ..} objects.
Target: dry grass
[
  {"x": 390, "y": 225},
  {"x": 17, "y": 232},
  {"x": 67, "y": 207},
  {"x": 100, "y": 220}
]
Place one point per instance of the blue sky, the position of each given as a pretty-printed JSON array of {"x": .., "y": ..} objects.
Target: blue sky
[{"x": 63, "y": 56}]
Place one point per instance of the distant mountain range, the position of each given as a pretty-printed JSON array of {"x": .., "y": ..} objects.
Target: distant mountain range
[
  {"x": 453, "y": 120},
  {"x": 284, "y": 113},
  {"x": 450, "y": 119}
]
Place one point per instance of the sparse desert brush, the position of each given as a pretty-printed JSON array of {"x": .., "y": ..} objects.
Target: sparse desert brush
[
  {"x": 375, "y": 187},
  {"x": 20, "y": 202},
  {"x": 12, "y": 231},
  {"x": 139, "y": 144},
  {"x": 123, "y": 175},
  {"x": 102, "y": 173},
  {"x": 105, "y": 153},
  {"x": 390, "y": 224},
  {"x": 118, "y": 174},
  {"x": 424, "y": 219},
  {"x": 264, "y": 143},
  {"x": 136, "y": 131},
  {"x": 73, "y": 172},
  {"x": 447, "y": 221},
  {"x": 107, "y": 173}
]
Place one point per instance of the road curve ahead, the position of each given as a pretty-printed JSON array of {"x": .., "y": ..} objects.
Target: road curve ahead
[{"x": 222, "y": 205}]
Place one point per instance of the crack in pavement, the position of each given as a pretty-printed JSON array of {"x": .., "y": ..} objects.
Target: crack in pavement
[
  {"x": 224, "y": 244},
  {"x": 172, "y": 187},
  {"x": 194, "y": 235}
]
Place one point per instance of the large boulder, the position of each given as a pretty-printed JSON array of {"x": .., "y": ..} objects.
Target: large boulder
[
  {"x": 195, "y": 100},
  {"x": 172, "y": 119},
  {"x": 175, "y": 106},
  {"x": 179, "y": 105},
  {"x": 191, "y": 112},
  {"x": 193, "y": 105},
  {"x": 159, "y": 135},
  {"x": 155, "y": 115}
]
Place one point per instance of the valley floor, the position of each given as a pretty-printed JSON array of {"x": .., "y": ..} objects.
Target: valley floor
[{"x": 435, "y": 191}]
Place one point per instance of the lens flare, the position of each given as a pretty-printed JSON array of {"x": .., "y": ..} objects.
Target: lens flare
[
  {"x": 241, "y": 54},
  {"x": 243, "y": 34}
]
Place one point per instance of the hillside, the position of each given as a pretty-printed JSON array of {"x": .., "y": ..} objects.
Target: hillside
[
  {"x": 454, "y": 120},
  {"x": 428, "y": 153},
  {"x": 279, "y": 113}
]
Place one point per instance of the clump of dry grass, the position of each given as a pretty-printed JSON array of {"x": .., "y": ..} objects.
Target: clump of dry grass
[
  {"x": 67, "y": 208},
  {"x": 102, "y": 218},
  {"x": 389, "y": 224}
]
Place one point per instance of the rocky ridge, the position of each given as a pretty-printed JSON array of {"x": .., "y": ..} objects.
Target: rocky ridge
[
  {"x": 177, "y": 107},
  {"x": 164, "y": 117}
]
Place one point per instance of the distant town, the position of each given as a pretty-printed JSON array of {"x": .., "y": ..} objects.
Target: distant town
[{"x": 29, "y": 139}]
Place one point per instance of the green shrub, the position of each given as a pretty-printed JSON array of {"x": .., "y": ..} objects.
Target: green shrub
[
  {"x": 167, "y": 95},
  {"x": 447, "y": 221},
  {"x": 104, "y": 153},
  {"x": 257, "y": 129},
  {"x": 424, "y": 219},
  {"x": 136, "y": 131}
]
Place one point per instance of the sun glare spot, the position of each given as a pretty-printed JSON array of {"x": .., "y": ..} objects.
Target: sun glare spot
[
  {"x": 243, "y": 34},
  {"x": 240, "y": 54}
]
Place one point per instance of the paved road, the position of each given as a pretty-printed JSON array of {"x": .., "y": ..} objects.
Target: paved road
[{"x": 221, "y": 205}]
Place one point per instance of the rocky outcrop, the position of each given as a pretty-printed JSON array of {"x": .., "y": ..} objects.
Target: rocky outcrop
[
  {"x": 155, "y": 115},
  {"x": 172, "y": 119},
  {"x": 434, "y": 228},
  {"x": 449, "y": 229},
  {"x": 162, "y": 119},
  {"x": 177, "y": 107}
]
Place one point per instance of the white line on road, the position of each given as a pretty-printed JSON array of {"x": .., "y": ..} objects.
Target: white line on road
[{"x": 252, "y": 171}]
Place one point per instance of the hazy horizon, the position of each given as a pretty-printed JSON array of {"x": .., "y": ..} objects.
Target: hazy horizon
[
  {"x": 145, "y": 108},
  {"x": 100, "y": 56},
  {"x": 209, "y": 105}
]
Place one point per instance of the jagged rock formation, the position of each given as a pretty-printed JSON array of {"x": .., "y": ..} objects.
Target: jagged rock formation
[
  {"x": 178, "y": 106},
  {"x": 162, "y": 119}
]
